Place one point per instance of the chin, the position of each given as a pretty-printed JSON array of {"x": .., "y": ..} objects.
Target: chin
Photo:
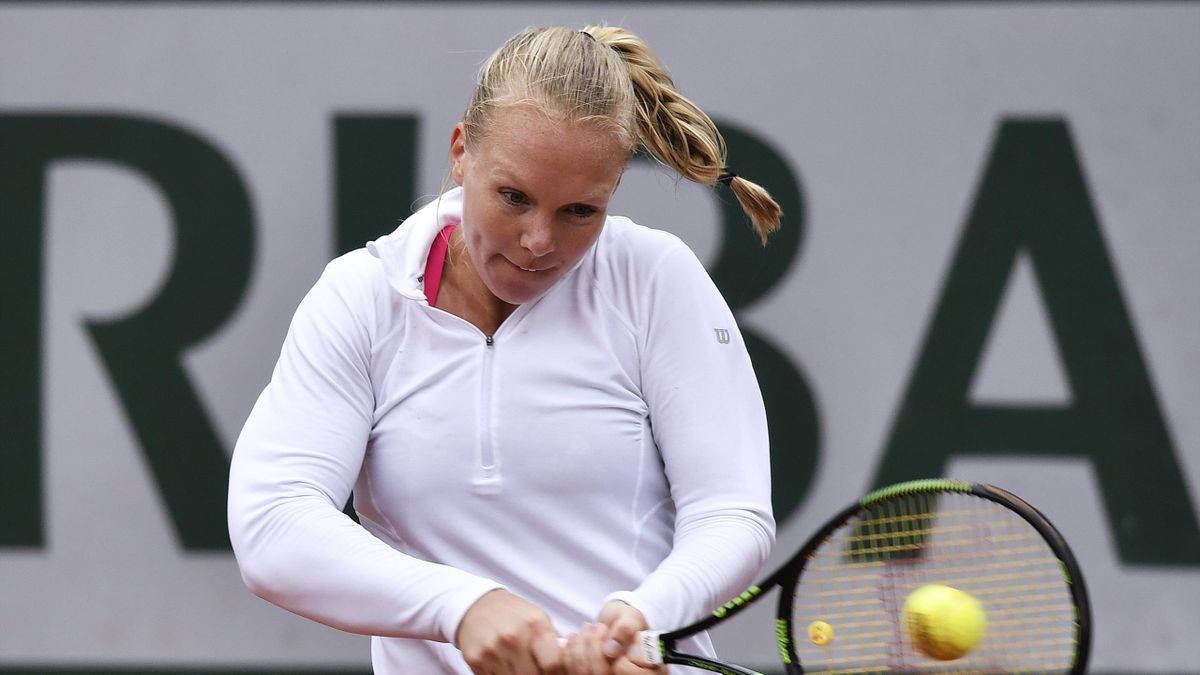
[
  {"x": 518, "y": 296},
  {"x": 521, "y": 289}
]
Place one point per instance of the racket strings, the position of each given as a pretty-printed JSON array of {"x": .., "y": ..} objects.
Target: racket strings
[{"x": 858, "y": 580}]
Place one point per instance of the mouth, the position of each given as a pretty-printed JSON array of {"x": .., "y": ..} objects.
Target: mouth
[{"x": 533, "y": 270}]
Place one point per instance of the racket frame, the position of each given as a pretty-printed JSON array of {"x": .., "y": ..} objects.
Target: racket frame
[{"x": 787, "y": 576}]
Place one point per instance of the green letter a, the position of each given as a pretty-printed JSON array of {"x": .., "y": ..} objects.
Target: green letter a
[{"x": 1033, "y": 198}]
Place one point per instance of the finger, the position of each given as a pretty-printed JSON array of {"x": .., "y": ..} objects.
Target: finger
[
  {"x": 622, "y": 633},
  {"x": 613, "y": 647},
  {"x": 486, "y": 662},
  {"x": 548, "y": 653},
  {"x": 575, "y": 656},
  {"x": 521, "y": 661},
  {"x": 539, "y": 640},
  {"x": 643, "y": 650},
  {"x": 503, "y": 666},
  {"x": 598, "y": 662},
  {"x": 621, "y": 636},
  {"x": 624, "y": 666}
]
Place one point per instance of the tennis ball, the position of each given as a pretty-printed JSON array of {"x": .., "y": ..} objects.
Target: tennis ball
[
  {"x": 943, "y": 622},
  {"x": 820, "y": 633}
]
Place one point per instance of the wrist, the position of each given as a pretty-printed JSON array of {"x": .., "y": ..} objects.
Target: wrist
[
  {"x": 632, "y": 600},
  {"x": 467, "y": 600}
]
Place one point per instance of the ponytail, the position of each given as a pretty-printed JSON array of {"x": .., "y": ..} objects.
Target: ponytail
[{"x": 676, "y": 132}]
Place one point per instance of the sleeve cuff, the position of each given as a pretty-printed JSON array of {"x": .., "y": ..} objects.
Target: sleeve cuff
[
  {"x": 637, "y": 602},
  {"x": 462, "y": 601}
]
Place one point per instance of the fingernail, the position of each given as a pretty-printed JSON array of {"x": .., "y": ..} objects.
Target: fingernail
[{"x": 612, "y": 648}]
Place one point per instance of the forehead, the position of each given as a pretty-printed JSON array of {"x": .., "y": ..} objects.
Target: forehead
[{"x": 528, "y": 141}]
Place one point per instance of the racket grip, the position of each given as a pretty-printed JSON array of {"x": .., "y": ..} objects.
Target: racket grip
[{"x": 646, "y": 649}]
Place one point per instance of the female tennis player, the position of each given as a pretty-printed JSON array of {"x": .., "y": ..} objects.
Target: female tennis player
[{"x": 546, "y": 413}]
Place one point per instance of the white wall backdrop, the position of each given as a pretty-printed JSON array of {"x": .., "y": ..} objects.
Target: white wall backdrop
[{"x": 885, "y": 113}]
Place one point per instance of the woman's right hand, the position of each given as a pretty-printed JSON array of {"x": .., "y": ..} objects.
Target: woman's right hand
[{"x": 504, "y": 633}]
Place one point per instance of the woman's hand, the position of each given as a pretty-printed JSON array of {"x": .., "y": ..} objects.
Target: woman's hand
[
  {"x": 504, "y": 633},
  {"x": 622, "y": 623},
  {"x": 584, "y": 655}
]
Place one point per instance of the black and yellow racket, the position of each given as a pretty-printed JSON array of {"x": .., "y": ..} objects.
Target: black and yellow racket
[{"x": 926, "y": 576}]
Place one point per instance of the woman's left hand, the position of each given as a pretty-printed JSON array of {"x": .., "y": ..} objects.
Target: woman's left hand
[
  {"x": 622, "y": 623},
  {"x": 584, "y": 654}
]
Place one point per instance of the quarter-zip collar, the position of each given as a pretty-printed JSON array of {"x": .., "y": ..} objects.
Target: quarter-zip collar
[{"x": 405, "y": 251}]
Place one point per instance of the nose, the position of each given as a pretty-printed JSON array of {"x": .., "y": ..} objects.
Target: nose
[{"x": 538, "y": 236}]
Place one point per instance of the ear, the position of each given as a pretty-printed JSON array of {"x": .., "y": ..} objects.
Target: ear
[{"x": 458, "y": 151}]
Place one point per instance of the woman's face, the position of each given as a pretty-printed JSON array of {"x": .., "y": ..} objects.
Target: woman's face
[{"x": 535, "y": 193}]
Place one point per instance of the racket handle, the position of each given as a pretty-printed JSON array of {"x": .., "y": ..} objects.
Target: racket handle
[{"x": 645, "y": 649}]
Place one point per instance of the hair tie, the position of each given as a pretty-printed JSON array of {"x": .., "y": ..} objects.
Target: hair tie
[
  {"x": 584, "y": 32},
  {"x": 726, "y": 176}
]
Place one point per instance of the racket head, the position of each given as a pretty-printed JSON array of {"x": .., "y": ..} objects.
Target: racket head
[{"x": 854, "y": 575}]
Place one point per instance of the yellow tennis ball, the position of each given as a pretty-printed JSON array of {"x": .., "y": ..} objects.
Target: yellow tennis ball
[
  {"x": 944, "y": 622},
  {"x": 820, "y": 633}
]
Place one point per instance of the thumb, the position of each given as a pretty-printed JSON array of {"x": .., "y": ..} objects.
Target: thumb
[
  {"x": 619, "y": 641},
  {"x": 622, "y": 633},
  {"x": 627, "y": 667}
]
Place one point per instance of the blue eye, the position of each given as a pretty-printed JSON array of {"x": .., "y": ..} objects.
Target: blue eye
[
  {"x": 512, "y": 197},
  {"x": 582, "y": 211}
]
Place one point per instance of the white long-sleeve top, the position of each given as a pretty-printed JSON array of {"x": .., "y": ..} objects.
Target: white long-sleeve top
[{"x": 609, "y": 440}]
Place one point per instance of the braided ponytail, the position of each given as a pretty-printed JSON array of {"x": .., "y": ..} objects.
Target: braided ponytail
[{"x": 678, "y": 133}]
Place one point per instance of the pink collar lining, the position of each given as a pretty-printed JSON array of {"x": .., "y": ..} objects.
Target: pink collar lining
[{"x": 436, "y": 263}]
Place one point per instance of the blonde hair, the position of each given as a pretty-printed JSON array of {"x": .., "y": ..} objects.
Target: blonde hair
[{"x": 608, "y": 75}]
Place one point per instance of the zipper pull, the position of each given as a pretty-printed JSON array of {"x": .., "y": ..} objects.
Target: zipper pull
[{"x": 489, "y": 340}]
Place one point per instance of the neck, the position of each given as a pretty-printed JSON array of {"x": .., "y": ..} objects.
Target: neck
[{"x": 463, "y": 292}]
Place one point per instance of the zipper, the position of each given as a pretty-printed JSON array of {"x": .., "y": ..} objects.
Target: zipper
[{"x": 486, "y": 478}]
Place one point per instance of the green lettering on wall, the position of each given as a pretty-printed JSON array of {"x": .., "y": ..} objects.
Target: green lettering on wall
[
  {"x": 142, "y": 353},
  {"x": 21, "y": 244},
  {"x": 376, "y": 165},
  {"x": 1033, "y": 198}
]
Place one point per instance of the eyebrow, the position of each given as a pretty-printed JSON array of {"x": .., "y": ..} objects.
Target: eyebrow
[{"x": 502, "y": 175}]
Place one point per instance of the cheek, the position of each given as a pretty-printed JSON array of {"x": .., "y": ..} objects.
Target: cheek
[
  {"x": 579, "y": 239},
  {"x": 486, "y": 242},
  {"x": 486, "y": 228}
]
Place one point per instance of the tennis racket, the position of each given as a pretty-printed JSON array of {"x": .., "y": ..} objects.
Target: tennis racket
[{"x": 842, "y": 596}]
